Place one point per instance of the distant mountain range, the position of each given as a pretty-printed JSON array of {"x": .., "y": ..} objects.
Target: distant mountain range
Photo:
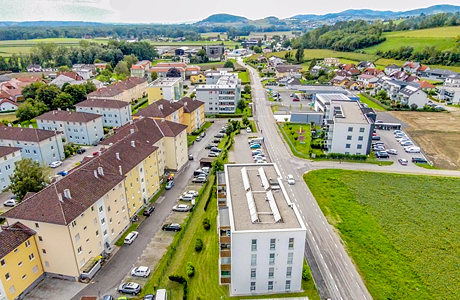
[{"x": 344, "y": 15}]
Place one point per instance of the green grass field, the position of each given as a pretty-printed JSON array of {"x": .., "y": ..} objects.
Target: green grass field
[
  {"x": 194, "y": 43},
  {"x": 243, "y": 76},
  {"x": 309, "y": 54},
  {"x": 291, "y": 132},
  {"x": 7, "y": 48},
  {"x": 370, "y": 103},
  {"x": 382, "y": 62},
  {"x": 401, "y": 230}
]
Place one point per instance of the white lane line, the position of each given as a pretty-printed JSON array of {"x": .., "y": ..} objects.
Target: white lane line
[
  {"x": 323, "y": 222},
  {"x": 300, "y": 211},
  {"x": 321, "y": 256},
  {"x": 336, "y": 287},
  {"x": 336, "y": 245}
]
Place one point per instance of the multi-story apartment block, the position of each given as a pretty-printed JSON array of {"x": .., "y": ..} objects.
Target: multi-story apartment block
[
  {"x": 20, "y": 265},
  {"x": 38, "y": 144},
  {"x": 140, "y": 69},
  {"x": 162, "y": 109},
  {"x": 221, "y": 97},
  {"x": 8, "y": 156},
  {"x": 165, "y": 88},
  {"x": 127, "y": 90},
  {"x": 115, "y": 113},
  {"x": 262, "y": 236},
  {"x": 78, "y": 127},
  {"x": 193, "y": 113},
  {"x": 215, "y": 52},
  {"x": 450, "y": 94},
  {"x": 349, "y": 128}
]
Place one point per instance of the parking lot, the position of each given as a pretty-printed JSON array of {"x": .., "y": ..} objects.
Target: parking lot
[
  {"x": 241, "y": 153},
  {"x": 388, "y": 137}
]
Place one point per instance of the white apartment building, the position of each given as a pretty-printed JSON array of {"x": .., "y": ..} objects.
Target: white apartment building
[
  {"x": 450, "y": 94},
  {"x": 114, "y": 112},
  {"x": 78, "y": 127},
  {"x": 322, "y": 102},
  {"x": 221, "y": 97},
  {"x": 262, "y": 236},
  {"x": 349, "y": 128},
  {"x": 8, "y": 156}
]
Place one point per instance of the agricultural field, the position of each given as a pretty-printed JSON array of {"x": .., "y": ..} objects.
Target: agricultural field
[
  {"x": 401, "y": 230},
  {"x": 309, "y": 54},
  {"x": 7, "y": 48},
  {"x": 194, "y": 43},
  {"x": 288, "y": 34},
  {"x": 437, "y": 133},
  {"x": 214, "y": 34}
]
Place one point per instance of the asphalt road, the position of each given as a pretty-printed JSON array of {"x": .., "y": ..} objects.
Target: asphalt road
[
  {"x": 111, "y": 275},
  {"x": 333, "y": 271}
]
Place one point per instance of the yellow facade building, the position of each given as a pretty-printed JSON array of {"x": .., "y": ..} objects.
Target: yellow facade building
[
  {"x": 20, "y": 265},
  {"x": 165, "y": 88},
  {"x": 193, "y": 113},
  {"x": 198, "y": 78}
]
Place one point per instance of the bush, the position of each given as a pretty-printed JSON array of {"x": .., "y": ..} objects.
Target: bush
[
  {"x": 206, "y": 224},
  {"x": 106, "y": 130},
  {"x": 190, "y": 270},
  {"x": 306, "y": 272},
  {"x": 198, "y": 245}
]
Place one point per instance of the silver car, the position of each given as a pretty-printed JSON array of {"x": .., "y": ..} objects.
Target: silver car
[{"x": 181, "y": 208}]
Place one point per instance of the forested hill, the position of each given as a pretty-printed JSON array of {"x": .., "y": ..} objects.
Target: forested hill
[{"x": 224, "y": 18}]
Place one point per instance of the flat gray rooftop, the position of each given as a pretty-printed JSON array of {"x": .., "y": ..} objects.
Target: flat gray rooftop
[
  {"x": 330, "y": 97},
  {"x": 266, "y": 215},
  {"x": 351, "y": 112}
]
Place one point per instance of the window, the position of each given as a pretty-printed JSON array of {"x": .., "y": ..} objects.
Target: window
[
  {"x": 31, "y": 256},
  {"x": 2, "y": 262},
  {"x": 253, "y": 286},
  {"x": 47, "y": 264},
  {"x": 40, "y": 238},
  {"x": 270, "y": 285},
  {"x": 36, "y": 225},
  {"x": 27, "y": 244},
  {"x": 253, "y": 259},
  {"x": 105, "y": 232},
  {"x": 360, "y": 146},
  {"x": 103, "y": 221},
  {"x": 271, "y": 272},
  {"x": 7, "y": 276},
  {"x": 24, "y": 277},
  {"x": 92, "y": 208},
  {"x": 12, "y": 289},
  {"x": 349, "y": 137},
  {"x": 44, "y": 251},
  {"x": 79, "y": 250},
  {"x": 35, "y": 269},
  {"x": 347, "y": 145},
  {"x": 16, "y": 250},
  {"x": 254, "y": 245},
  {"x": 288, "y": 272},
  {"x": 253, "y": 273},
  {"x": 272, "y": 244},
  {"x": 350, "y": 129},
  {"x": 97, "y": 232},
  {"x": 361, "y": 130},
  {"x": 291, "y": 244},
  {"x": 360, "y": 138},
  {"x": 271, "y": 259},
  {"x": 288, "y": 285},
  {"x": 77, "y": 237},
  {"x": 290, "y": 258},
  {"x": 100, "y": 208},
  {"x": 20, "y": 264}
]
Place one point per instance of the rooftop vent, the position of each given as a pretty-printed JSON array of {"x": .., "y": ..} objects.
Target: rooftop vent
[
  {"x": 133, "y": 144},
  {"x": 95, "y": 174},
  {"x": 131, "y": 130},
  {"x": 60, "y": 197},
  {"x": 100, "y": 171},
  {"x": 67, "y": 194},
  {"x": 117, "y": 155}
]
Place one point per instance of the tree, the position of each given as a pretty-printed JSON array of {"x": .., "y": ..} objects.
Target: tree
[
  {"x": 173, "y": 72},
  {"x": 312, "y": 64},
  {"x": 47, "y": 94},
  {"x": 247, "y": 88},
  {"x": 30, "y": 91},
  {"x": 63, "y": 69},
  {"x": 229, "y": 64},
  {"x": 77, "y": 91},
  {"x": 130, "y": 60},
  {"x": 299, "y": 55},
  {"x": 28, "y": 176},
  {"x": 257, "y": 49},
  {"x": 154, "y": 76},
  {"x": 122, "y": 68},
  {"x": 26, "y": 111},
  {"x": 241, "y": 105},
  {"x": 62, "y": 101}
]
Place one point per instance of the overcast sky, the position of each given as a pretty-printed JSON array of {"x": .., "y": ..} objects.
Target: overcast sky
[{"x": 180, "y": 11}]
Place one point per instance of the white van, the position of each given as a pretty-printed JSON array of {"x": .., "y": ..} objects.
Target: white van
[
  {"x": 161, "y": 295},
  {"x": 256, "y": 140},
  {"x": 129, "y": 239}
]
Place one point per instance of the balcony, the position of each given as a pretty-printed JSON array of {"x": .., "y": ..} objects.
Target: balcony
[
  {"x": 225, "y": 253},
  {"x": 225, "y": 240},
  {"x": 222, "y": 195},
  {"x": 225, "y": 280}
]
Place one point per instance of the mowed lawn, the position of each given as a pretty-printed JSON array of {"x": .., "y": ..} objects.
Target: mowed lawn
[
  {"x": 401, "y": 230},
  {"x": 7, "y": 48},
  {"x": 309, "y": 54},
  {"x": 370, "y": 103}
]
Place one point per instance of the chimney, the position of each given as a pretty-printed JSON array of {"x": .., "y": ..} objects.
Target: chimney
[
  {"x": 133, "y": 144},
  {"x": 119, "y": 169},
  {"x": 67, "y": 194},
  {"x": 60, "y": 197},
  {"x": 132, "y": 131},
  {"x": 100, "y": 171},
  {"x": 117, "y": 155},
  {"x": 160, "y": 106},
  {"x": 162, "y": 119},
  {"x": 95, "y": 173}
]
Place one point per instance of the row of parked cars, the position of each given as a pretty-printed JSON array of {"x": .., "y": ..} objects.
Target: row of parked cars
[{"x": 404, "y": 140}]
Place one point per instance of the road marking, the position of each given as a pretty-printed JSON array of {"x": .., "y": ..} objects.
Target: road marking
[
  {"x": 336, "y": 245},
  {"x": 300, "y": 211},
  {"x": 321, "y": 256},
  {"x": 336, "y": 287},
  {"x": 323, "y": 222},
  {"x": 316, "y": 209},
  {"x": 160, "y": 199}
]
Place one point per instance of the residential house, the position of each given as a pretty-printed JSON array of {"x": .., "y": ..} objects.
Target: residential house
[
  {"x": 352, "y": 85},
  {"x": 115, "y": 113},
  {"x": 392, "y": 68},
  {"x": 399, "y": 75},
  {"x": 287, "y": 70},
  {"x": 316, "y": 69},
  {"x": 194, "y": 116},
  {"x": 349, "y": 128},
  {"x": 350, "y": 68},
  {"x": 331, "y": 61},
  {"x": 411, "y": 78},
  {"x": 192, "y": 70},
  {"x": 100, "y": 66},
  {"x": 162, "y": 109},
  {"x": 261, "y": 59},
  {"x": 8, "y": 157},
  {"x": 412, "y": 95},
  {"x": 411, "y": 67},
  {"x": 261, "y": 232},
  {"x": 450, "y": 94},
  {"x": 288, "y": 81},
  {"x": 163, "y": 71},
  {"x": 275, "y": 61},
  {"x": 13, "y": 88},
  {"x": 426, "y": 86},
  {"x": 165, "y": 88},
  {"x": 339, "y": 80},
  {"x": 452, "y": 81},
  {"x": 367, "y": 81},
  {"x": 343, "y": 73},
  {"x": 61, "y": 79},
  {"x": 140, "y": 69},
  {"x": 78, "y": 127},
  {"x": 422, "y": 69},
  {"x": 6, "y": 104},
  {"x": 21, "y": 268},
  {"x": 439, "y": 74},
  {"x": 222, "y": 96},
  {"x": 34, "y": 68},
  {"x": 364, "y": 65},
  {"x": 85, "y": 70},
  {"x": 185, "y": 59},
  {"x": 374, "y": 72},
  {"x": 128, "y": 90},
  {"x": 38, "y": 144},
  {"x": 198, "y": 78},
  {"x": 249, "y": 43}
]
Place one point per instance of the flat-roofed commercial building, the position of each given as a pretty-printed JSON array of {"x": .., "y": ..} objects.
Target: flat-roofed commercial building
[{"x": 262, "y": 236}]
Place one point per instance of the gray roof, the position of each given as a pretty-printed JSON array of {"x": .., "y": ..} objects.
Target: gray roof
[
  {"x": 440, "y": 72},
  {"x": 69, "y": 116},
  {"x": 104, "y": 103},
  {"x": 409, "y": 90}
]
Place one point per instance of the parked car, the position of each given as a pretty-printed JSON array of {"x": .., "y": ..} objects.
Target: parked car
[
  {"x": 216, "y": 141},
  {"x": 181, "y": 208},
  {"x": 198, "y": 172},
  {"x": 254, "y": 146},
  {"x": 248, "y": 129},
  {"x": 382, "y": 154},
  {"x": 129, "y": 288},
  {"x": 107, "y": 297},
  {"x": 81, "y": 151},
  {"x": 171, "y": 227},
  {"x": 148, "y": 211},
  {"x": 198, "y": 138},
  {"x": 419, "y": 160},
  {"x": 378, "y": 148},
  {"x": 129, "y": 239},
  {"x": 413, "y": 150},
  {"x": 209, "y": 146},
  {"x": 10, "y": 202},
  {"x": 376, "y": 138},
  {"x": 398, "y": 131},
  {"x": 203, "y": 134},
  {"x": 62, "y": 173},
  {"x": 187, "y": 197},
  {"x": 192, "y": 192},
  {"x": 290, "y": 179},
  {"x": 190, "y": 157},
  {"x": 213, "y": 154},
  {"x": 219, "y": 135},
  {"x": 215, "y": 149},
  {"x": 403, "y": 161},
  {"x": 407, "y": 143},
  {"x": 169, "y": 185},
  {"x": 295, "y": 99},
  {"x": 199, "y": 180},
  {"x": 392, "y": 151},
  {"x": 141, "y": 272},
  {"x": 55, "y": 164},
  {"x": 149, "y": 297},
  {"x": 206, "y": 169}
]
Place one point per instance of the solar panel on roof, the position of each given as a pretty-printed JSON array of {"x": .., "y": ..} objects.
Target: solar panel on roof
[
  {"x": 273, "y": 206},
  {"x": 244, "y": 174},
  {"x": 252, "y": 207},
  {"x": 264, "y": 179}
]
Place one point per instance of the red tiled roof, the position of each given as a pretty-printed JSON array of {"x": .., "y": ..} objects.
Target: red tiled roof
[
  {"x": 171, "y": 65},
  {"x": 25, "y": 134},
  {"x": 70, "y": 116},
  {"x": 117, "y": 88},
  {"x": 72, "y": 75},
  {"x": 426, "y": 85},
  {"x": 13, "y": 236},
  {"x": 104, "y": 103},
  {"x": 159, "y": 109},
  {"x": 422, "y": 68},
  {"x": 190, "y": 104},
  {"x": 5, "y": 150}
]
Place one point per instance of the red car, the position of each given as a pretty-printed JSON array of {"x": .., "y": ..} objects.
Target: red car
[
  {"x": 295, "y": 99},
  {"x": 96, "y": 153}
]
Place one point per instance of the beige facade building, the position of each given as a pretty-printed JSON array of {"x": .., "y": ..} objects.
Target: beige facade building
[{"x": 127, "y": 90}]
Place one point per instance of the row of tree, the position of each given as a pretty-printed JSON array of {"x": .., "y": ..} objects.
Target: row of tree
[
  {"x": 429, "y": 55},
  {"x": 423, "y": 22}
]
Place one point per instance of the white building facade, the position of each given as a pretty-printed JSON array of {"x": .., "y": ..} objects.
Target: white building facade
[
  {"x": 221, "y": 97},
  {"x": 8, "y": 156},
  {"x": 115, "y": 113}
]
